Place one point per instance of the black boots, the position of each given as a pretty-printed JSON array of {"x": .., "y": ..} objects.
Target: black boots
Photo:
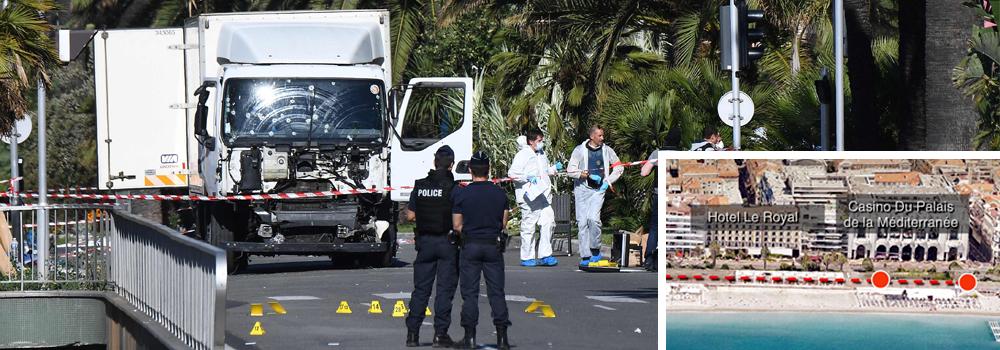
[
  {"x": 650, "y": 264},
  {"x": 502, "y": 342},
  {"x": 412, "y": 338},
  {"x": 469, "y": 341},
  {"x": 442, "y": 341}
]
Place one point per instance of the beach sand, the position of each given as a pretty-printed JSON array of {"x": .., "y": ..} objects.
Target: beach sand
[{"x": 701, "y": 297}]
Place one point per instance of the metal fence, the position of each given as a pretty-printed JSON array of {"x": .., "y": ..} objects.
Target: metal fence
[
  {"x": 177, "y": 281},
  {"x": 74, "y": 256}
]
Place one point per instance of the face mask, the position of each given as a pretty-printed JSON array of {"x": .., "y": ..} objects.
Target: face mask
[{"x": 540, "y": 147}]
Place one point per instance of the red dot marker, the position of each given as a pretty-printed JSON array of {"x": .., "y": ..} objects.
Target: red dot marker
[
  {"x": 967, "y": 282},
  {"x": 880, "y": 279}
]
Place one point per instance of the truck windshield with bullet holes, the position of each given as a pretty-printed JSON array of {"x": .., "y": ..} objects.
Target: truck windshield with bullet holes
[{"x": 297, "y": 108}]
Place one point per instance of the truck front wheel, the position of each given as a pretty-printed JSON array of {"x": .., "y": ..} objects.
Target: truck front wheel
[
  {"x": 384, "y": 259},
  {"x": 225, "y": 225}
]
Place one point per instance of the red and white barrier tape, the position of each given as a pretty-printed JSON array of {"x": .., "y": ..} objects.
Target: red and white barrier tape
[{"x": 11, "y": 180}]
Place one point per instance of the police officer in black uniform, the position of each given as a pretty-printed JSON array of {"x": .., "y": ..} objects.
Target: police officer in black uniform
[
  {"x": 480, "y": 216},
  {"x": 437, "y": 252}
]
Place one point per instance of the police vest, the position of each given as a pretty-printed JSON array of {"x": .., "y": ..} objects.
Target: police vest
[{"x": 432, "y": 204}]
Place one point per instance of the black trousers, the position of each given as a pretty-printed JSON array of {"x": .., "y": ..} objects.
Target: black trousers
[
  {"x": 482, "y": 259},
  {"x": 435, "y": 258},
  {"x": 653, "y": 229}
]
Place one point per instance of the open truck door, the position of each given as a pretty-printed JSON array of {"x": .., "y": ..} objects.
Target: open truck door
[
  {"x": 434, "y": 112},
  {"x": 141, "y": 102}
]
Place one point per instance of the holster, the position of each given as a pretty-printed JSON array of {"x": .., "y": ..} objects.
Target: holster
[{"x": 502, "y": 240}]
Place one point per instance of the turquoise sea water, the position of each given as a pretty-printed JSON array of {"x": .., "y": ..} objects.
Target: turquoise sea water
[{"x": 821, "y": 331}]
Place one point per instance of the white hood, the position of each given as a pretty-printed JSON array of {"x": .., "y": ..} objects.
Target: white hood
[{"x": 522, "y": 142}]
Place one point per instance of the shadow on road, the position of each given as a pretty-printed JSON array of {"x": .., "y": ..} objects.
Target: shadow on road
[
  {"x": 267, "y": 265},
  {"x": 642, "y": 293}
]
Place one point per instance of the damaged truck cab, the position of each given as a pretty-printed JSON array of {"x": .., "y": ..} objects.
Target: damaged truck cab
[{"x": 293, "y": 104}]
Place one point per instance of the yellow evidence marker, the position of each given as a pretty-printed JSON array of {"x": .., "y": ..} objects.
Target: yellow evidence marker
[
  {"x": 547, "y": 311},
  {"x": 428, "y": 312},
  {"x": 257, "y": 329},
  {"x": 256, "y": 310},
  {"x": 533, "y": 306},
  {"x": 376, "y": 307},
  {"x": 343, "y": 308},
  {"x": 399, "y": 310},
  {"x": 280, "y": 310}
]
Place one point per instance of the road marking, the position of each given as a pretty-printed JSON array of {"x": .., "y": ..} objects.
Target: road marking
[
  {"x": 332, "y": 344},
  {"x": 293, "y": 297},
  {"x": 615, "y": 299},
  {"x": 632, "y": 270},
  {"x": 605, "y": 307},
  {"x": 399, "y": 295},
  {"x": 519, "y": 298}
]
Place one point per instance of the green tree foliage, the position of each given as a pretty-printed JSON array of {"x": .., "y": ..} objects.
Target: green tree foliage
[
  {"x": 867, "y": 265},
  {"x": 72, "y": 132},
  {"x": 25, "y": 50},
  {"x": 978, "y": 76}
]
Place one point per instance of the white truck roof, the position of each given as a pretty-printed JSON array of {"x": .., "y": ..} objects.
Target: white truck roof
[{"x": 285, "y": 43}]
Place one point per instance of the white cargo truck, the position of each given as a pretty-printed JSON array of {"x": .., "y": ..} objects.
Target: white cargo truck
[{"x": 275, "y": 103}]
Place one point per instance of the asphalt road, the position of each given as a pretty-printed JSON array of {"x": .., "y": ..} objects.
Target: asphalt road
[{"x": 593, "y": 310}]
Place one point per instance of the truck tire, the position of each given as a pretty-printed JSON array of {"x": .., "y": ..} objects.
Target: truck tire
[
  {"x": 224, "y": 225},
  {"x": 384, "y": 259}
]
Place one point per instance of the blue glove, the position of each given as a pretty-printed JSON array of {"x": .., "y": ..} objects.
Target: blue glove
[
  {"x": 604, "y": 187},
  {"x": 595, "y": 177},
  {"x": 559, "y": 166},
  {"x": 533, "y": 179}
]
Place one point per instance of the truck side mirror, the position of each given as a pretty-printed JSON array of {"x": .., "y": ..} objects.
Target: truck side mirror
[
  {"x": 395, "y": 99},
  {"x": 201, "y": 116}
]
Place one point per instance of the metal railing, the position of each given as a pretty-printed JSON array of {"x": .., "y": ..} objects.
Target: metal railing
[
  {"x": 177, "y": 281},
  {"x": 74, "y": 256}
]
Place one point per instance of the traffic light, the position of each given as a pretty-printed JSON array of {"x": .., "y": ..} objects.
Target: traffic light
[{"x": 750, "y": 39}]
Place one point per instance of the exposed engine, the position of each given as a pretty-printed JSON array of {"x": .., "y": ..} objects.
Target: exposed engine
[{"x": 355, "y": 218}]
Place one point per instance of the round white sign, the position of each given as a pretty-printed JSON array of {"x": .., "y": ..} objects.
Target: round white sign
[
  {"x": 22, "y": 128},
  {"x": 726, "y": 108}
]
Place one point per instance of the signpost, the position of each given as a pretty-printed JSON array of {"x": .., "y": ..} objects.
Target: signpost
[
  {"x": 734, "y": 53},
  {"x": 22, "y": 128}
]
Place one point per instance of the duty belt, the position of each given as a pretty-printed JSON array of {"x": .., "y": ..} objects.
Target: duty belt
[
  {"x": 438, "y": 234},
  {"x": 486, "y": 239}
]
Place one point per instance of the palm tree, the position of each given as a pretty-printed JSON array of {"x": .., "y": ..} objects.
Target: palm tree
[
  {"x": 861, "y": 64},
  {"x": 25, "y": 50},
  {"x": 764, "y": 253},
  {"x": 829, "y": 258},
  {"x": 798, "y": 23},
  {"x": 714, "y": 250},
  {"x": 939, "y": 117},
  {"x": 978, "y": 76},
  {"x": 840, "y": 259}
]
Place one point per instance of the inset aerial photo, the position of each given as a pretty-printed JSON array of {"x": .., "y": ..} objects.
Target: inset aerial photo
[{"x": 831, "y": 253}]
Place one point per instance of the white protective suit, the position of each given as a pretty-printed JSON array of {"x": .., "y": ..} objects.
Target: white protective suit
[{"x": 534, "y": 199}]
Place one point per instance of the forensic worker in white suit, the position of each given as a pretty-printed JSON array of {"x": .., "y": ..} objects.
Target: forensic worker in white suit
[
  {"x": 591, "y": 164},
  {"x": 533, "y": 190}
]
